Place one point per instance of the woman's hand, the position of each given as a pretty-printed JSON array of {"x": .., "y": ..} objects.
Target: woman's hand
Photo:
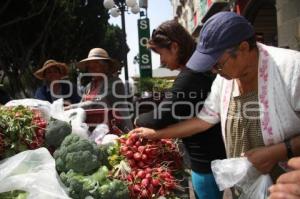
[
  {"x": 288, "y": 184},
  {"x": 150, "y": 134},
  {"x": 263, "y": 158}
]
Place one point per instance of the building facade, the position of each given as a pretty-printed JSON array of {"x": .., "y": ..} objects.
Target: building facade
[
  {"x": 192, "y": 13},
  {"x": 276, "y": 22}
]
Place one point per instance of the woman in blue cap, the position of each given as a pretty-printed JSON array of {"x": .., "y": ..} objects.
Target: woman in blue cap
[{"x": 255, "y": 95}]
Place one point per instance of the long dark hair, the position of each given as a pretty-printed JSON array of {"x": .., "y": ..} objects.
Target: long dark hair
[{"x": 171, "y": 31}]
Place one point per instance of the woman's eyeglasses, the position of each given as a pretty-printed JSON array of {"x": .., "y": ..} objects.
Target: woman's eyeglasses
[{"x": 219, "y": 66}]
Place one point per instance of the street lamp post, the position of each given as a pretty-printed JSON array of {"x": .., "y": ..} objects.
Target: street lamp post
[{"x": 116, "y": 8}]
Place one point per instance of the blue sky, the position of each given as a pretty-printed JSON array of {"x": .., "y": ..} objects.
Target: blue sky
[{"x": 158, "y": 12}]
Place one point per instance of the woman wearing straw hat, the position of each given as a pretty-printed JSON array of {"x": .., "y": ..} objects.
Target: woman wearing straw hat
[
  {"x": 51, "y": 72},
  {"x": 106, "y": 90}
]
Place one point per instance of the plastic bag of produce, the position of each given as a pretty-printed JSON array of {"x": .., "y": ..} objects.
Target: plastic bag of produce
[
  {"x": 259, "y": 189},
  {"x": 101, "y": 135},
  {"x": 34, "y": 172},
  {"x": 99, "y": 132},
  {"x": 75, "y": 117},
  {"x": 239, "y": 172},
  {"x": 43, "y": 106}
]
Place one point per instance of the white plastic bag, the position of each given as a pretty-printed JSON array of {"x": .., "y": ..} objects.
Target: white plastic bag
[
  {"x": 43, "y": 106},
  {"x": 229, "y": 172},
  {"x": 101, "y": 135},
  {"x": 259, "y": 189},
  {"x": 99, "y": 132},
  {"x": 75, "y": 117},
  {"x": 239, "y": 172},
  {"x": 110, "y": 139},
  {"x": 32, "y": 171}
]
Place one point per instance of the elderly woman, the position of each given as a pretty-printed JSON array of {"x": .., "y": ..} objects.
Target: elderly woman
[
  {"x": 255, "y": 95},
  {"x": 51, "y": 73},
  {"x": 105, "y": 90}
]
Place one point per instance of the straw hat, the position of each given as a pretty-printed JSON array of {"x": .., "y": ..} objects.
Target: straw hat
[
  {"x": 40, "y": 74},
  {"x": 99, "y": 54}
]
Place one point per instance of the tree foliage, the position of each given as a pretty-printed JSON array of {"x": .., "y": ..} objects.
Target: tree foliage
[{"x": 32, "y": 31}]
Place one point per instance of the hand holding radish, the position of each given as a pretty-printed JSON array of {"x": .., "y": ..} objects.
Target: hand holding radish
[{"x": 147, "y": 133}]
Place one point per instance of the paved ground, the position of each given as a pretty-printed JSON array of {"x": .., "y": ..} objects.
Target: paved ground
[{"x": 227, "y": 193}]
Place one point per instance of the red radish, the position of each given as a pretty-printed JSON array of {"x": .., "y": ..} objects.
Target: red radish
[
  {"x": 137, "y": 156},
  {"x": 148, "y": 176},
  {"x": 144, "y": 194},
  {"x": 150, "y": 189},
  {"x": 129, "y": 142},
  {"x": 141, "y": 164},
  {"x": 124, "y": 149},
  {"x": 131, "y": 163},
  {"x": 155, "y": 182},
  {"x": 144, "y": 157},
  {"x": 137, "y": 144},
  {"x": 134, "y": 137},
  {"x": 129, "y": 154},
  {"x": 141, "y": 149},
  {"x": 133, "y": 172},
  {"x": 134, "y": 148},
  {"x": 129, "y": 178},
  {"x": 136, "y": 188},
  {"x": 147, "y": 151},
  {"x": 122, "y": 140},
  {"x": 148, "y": 170},
  {"x": 145, "y": 182},
  {"x": 141, "y": 174}
]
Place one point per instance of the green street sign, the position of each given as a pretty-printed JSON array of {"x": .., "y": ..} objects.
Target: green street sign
[{"x": 145, "y": 53}]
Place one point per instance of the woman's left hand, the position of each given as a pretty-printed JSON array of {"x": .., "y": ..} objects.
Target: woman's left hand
[{"x": 262, "y": 158}]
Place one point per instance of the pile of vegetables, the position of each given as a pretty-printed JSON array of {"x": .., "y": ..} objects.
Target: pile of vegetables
[
  {"x": 14, "y": 195},
  {"x": 96, "y": 185},
  {"x": 20, "y": 129},
  {"x": 151, "y": 166},
  {"x": 83, "y": 168},
  {"x": 133, "y": 167},
  {"x": 77, "y": 154}
]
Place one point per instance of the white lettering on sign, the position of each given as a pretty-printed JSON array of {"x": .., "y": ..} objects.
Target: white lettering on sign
[
  {"x": 145, "y": 59},
  {"x": 144, "y": 41},
  {"x": 143, "y": 24},
  {"x": 145, "y": 66}
]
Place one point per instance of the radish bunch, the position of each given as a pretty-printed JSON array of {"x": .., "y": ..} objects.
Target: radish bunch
[
  {"x": 151, "y": 183},
  {"x": 152, "y": 164},
  {"x": 20, "y": 129},
  {"x": 39, "y": 126},
  {"x": 142, "y": 153}
]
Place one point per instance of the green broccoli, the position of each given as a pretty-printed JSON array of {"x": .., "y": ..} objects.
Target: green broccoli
[
  {"x": 56, "y": 132},
  {"x": 80, "y": 186},
  {"x": 78, "y": 154},
  {"x": 114, "y": 189},
  {"x": 14, "y": 195}
]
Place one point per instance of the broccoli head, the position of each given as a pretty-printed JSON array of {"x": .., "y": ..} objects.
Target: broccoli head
[
  {"x": 78, "y": 154},
  {"x": 114, "y": 189},
  {"x": 80, "y": 186},
  {"x": 56, "y": 132}
]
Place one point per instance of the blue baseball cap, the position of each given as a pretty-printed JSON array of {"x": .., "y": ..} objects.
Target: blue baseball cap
[{"x": 220, "y": 32}]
